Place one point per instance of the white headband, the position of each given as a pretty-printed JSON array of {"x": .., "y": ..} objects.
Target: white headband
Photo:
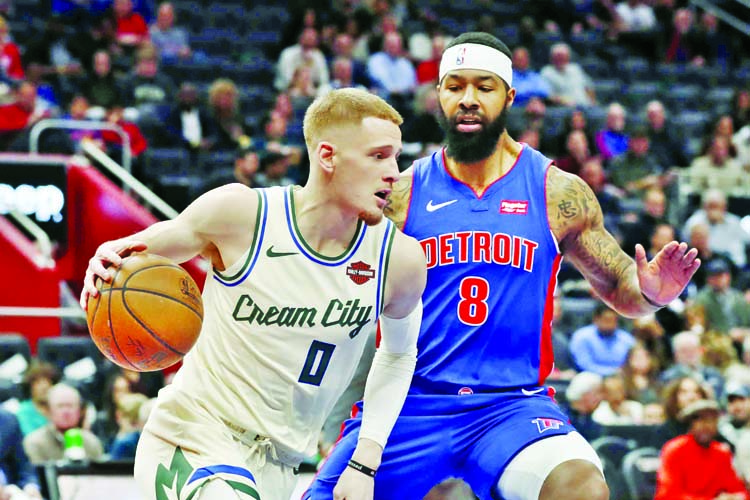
[{"x": 477, "y": 56}]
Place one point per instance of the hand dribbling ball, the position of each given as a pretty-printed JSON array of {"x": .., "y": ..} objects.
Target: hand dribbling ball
[{"x": 148, "y": 316}]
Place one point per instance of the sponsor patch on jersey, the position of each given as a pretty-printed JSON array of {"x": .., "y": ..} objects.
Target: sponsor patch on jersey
[
  {"x": 546, "y": 424},
  {"x": 465, "y": 391},
  {"x": 515, "y": 207},
  {"x": 360, "y": 272}
]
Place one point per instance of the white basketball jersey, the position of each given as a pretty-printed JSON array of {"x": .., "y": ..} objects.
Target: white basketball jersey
[{"x": 284, "y": 329}]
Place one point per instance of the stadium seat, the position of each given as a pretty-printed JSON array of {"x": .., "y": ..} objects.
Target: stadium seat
[
  {"x": 618, "y": 490},
  {"x": 586, "y": 42},
  {"x": 683, "y": 97},
  {"x": 718, "y": 100},
  {"x": 639, "y": 93},
  {"x": 555, "y": 120},
  {"x": 608, "y": 90},
  {"x": 639, "y": 468},
  {"x": 613, "y": 448},
  {"x": 596, "y": 116},
  {"x": 165, "y": 161},
  {"x": 12, "y": 344},
  {"x": 672, "y": 73},
  {"x": 509, "y": 34},
  {"x": 63, "y": 350},
  {"x": 692, "y": 123},
  {"x": 633, "y": 69},
  {"x": 595, "y": 67}
]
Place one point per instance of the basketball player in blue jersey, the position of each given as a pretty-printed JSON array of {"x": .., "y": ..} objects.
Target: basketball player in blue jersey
[
  {"x": 299, "y": 276},
  {"x": 495, "y": 218}
]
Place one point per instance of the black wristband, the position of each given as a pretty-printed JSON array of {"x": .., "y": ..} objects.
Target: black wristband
[
  {"x": 652, "y": 302},
  {"x": 362, "y": 468}
]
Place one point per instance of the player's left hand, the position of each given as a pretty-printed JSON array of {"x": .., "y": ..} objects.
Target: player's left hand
[
  {"x": 353, "y": 485},
  {"x": 665, "y": 277}
]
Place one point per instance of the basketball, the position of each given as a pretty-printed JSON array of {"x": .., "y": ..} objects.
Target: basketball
[{"x": 148, "y": 316}]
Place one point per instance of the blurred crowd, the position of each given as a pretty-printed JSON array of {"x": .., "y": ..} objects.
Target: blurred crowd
[{"x": 647, "y": 100}]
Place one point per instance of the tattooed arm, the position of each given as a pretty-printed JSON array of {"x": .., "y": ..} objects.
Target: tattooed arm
[
  {"x": 631, "y": 287},
  {"x": 398, "y": 202}
]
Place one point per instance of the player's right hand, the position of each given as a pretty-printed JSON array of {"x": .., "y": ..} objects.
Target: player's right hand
[
  {"x": 353, "y": 485},
  {"x": 109, "y": 254}
]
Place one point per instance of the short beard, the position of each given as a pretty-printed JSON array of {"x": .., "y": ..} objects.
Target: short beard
[{"x": 472, "y": 147}]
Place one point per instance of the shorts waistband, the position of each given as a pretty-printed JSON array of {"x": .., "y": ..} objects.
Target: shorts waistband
[{"x": 272, "y": 450}]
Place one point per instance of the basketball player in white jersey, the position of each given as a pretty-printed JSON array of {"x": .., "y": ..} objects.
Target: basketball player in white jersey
[{"x": 299, "y": 276}]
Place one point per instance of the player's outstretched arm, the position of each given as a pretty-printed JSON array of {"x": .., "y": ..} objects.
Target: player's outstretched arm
[
  {"x": 392, "y": 368},
  {"x": 632, "y": 288},
  {"x": 213, "y": 225}
]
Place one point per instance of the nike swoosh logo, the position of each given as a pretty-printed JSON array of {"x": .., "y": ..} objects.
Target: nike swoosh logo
[
  {"x": 526, "y": 392},
  {"x": 431, "y": 207},
  {"x": 272, "y": 254}
]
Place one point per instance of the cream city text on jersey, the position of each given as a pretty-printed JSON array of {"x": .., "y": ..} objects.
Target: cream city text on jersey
[
  {"x": 479, "y": 246},
  {"x": 339, "y": 313}
]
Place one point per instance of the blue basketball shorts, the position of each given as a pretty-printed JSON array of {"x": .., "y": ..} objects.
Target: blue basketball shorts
[{"x": 472, "y": 437}]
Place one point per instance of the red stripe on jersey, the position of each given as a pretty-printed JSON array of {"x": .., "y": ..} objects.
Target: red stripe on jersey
[{"x": 546, "y": 354}]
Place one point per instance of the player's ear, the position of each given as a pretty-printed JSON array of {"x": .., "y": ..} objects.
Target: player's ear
[
  {"x": 510, "y": 97},
  {"x": 325, "y": 152}
]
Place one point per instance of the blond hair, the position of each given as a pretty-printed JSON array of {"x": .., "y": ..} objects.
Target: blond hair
[
  {"x": 219, "y": 87},
  {"x": 342, "y": 108}
]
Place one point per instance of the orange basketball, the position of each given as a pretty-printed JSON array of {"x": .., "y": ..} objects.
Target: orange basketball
[{"x": 148, "y": 316}]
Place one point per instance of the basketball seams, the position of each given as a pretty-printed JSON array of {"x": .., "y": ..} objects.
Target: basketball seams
[
  {"x": 144, "y": 325},
  {"x": 159, "y": 294},
  {"x": 110, "y": 323}
]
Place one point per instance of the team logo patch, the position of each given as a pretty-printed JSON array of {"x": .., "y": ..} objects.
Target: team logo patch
[
  {"x": 461, "y": 56},
  {"x": 360, "y": 273},
  {"x": 546, "y": 424},
  {"x": 465, "y": 391},
  {"x": 515, "y": 207}
]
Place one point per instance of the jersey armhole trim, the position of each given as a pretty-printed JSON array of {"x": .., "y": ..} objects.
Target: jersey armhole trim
[
  {"x": 385, "y": 258},
  {"x": 261, "y": 218}
]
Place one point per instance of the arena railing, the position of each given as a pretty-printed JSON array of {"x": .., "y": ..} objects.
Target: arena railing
[
  {"x": 725, "y": 16},
  {"x": 60, "y": 123}
]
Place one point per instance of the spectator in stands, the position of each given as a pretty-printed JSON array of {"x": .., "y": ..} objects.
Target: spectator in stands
[
  {"x": 695, "y": 465},
  {"x": 665, "y": 143},
  {"x": 20, "y": 114},
  {"x": 710, "y": 46},
  {"x": 303, "y": 53},
  {"x": 424, "y": 127},
  {"x": 734, "y": 423},
  {"x": 699, "y": 238},
  {"x": 570, "y": 84},
  {"x": 577, "y": 152},
  {"x": 582, "y": 396},
  {"x": 342, "y": 75},
  {"x": 615, "y": 408},
  {"x": 303, "y": 89},
  {"x": 11, "y": 67},
  {"x": 564, "y": 368},
  {"x": 105, "y": 425},
  {"x": 129, "y": 426},
  {"x": 741, "y": 107},
  {"x": 575, "y": 121},
  {"x": 637, "y": 28},
  {"x": 132, "y": 29},
  {"x": 427, "y": 70},
  {"x": 726, "y": 234},
  {"x": 608, "y": 197},
  {"x": 18, "y": 479},
  {"x": 393, "y": 74},
  {"x": 526, "y": 80},
  {"x": 662, "y": 234},
  {"x": 716, "y": 169},
  {"x": 343, "y": 46},
  {"x": 37, "y": 381},
  {"x": 53, "y": 59},
  {"x": 602, "y": 346},
  {"x": 640, "y": 374},
  {"x": 171, "y": 42},
  {"x": 725, "y": 308},
  {"x": 612, "y": 141},
  {"x": 275, "y": 138},
  {"x": 680, "y": 45},
  {"x": 147, "y": 89},
  {"x": 227, "y": 124},
  {"x": 687, "y": 353},
  {"x": 114, "y": 144},
  {"x": 638, "y": 227},
  {"x": 101, "y": 88},
  {"x": 189, "y": 123},
  {"x": 274, "y": 169},
  {"x": 65, "y": 413},
  {"x": 677, "y": 395}
]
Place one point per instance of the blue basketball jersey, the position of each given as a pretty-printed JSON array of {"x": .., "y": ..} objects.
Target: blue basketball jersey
[{"x": 492, "y": 270}]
